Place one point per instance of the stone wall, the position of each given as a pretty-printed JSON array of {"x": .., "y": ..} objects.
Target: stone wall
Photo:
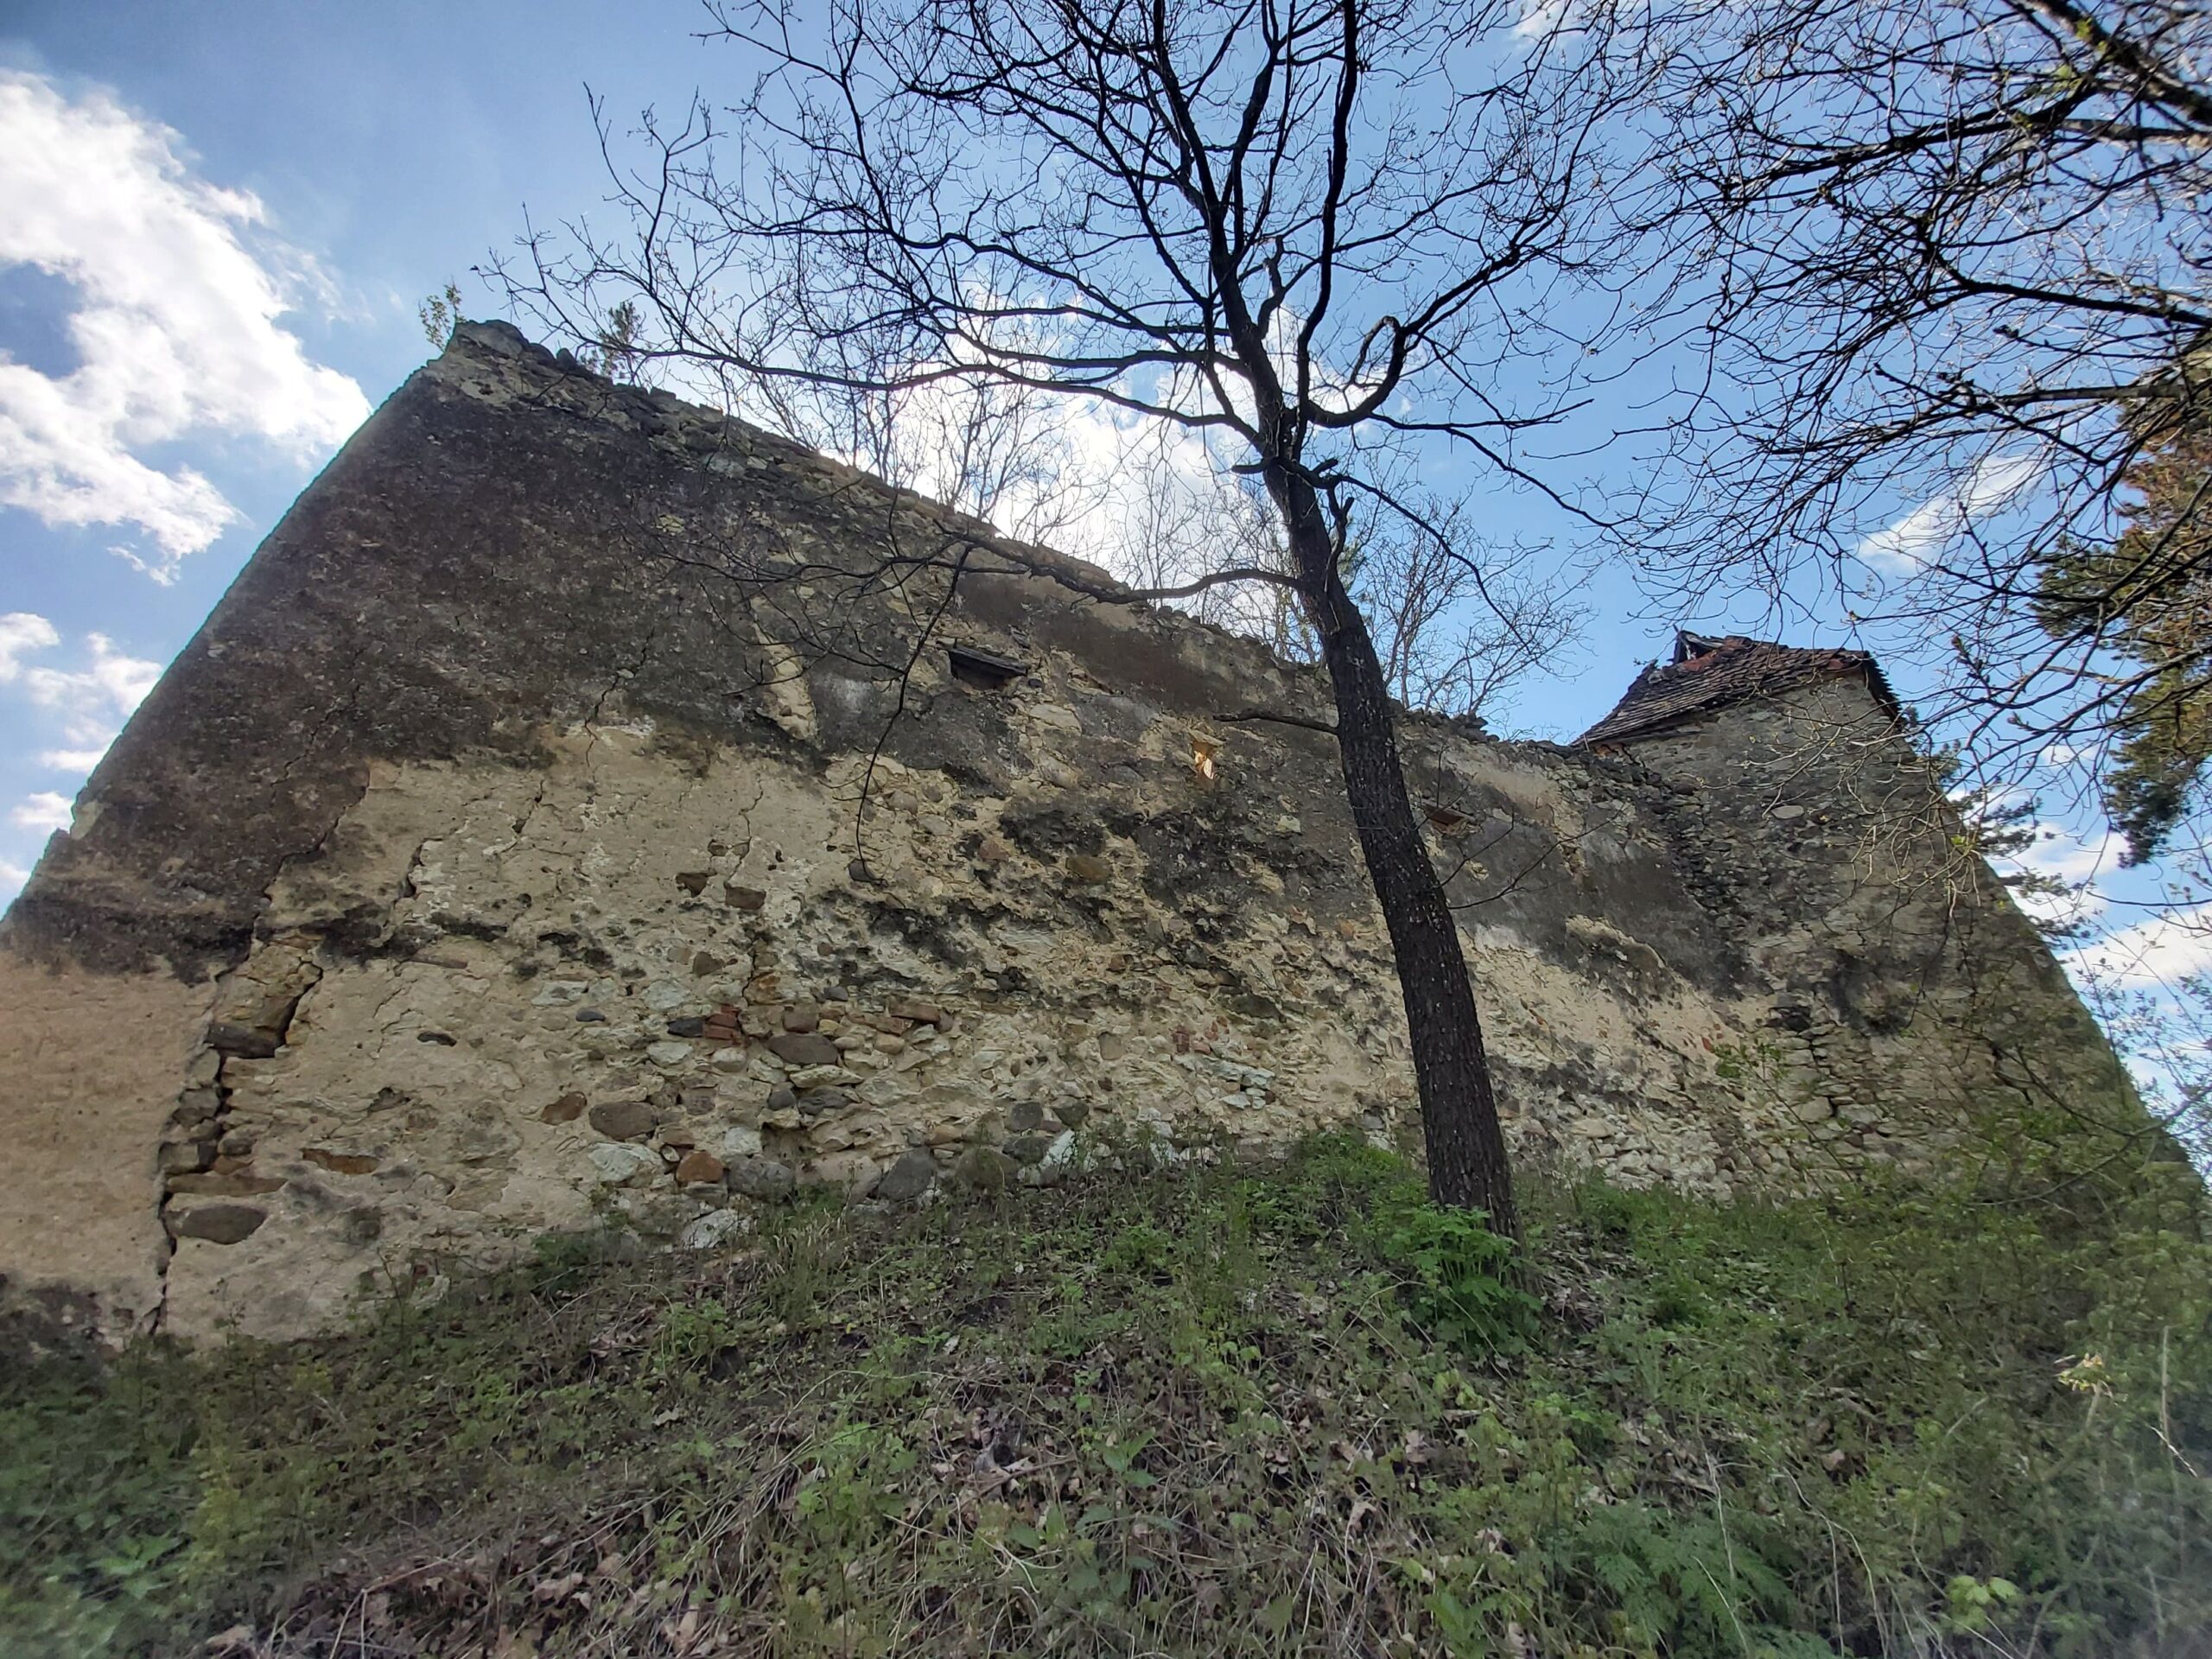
[{"x": 578, "y": 808}]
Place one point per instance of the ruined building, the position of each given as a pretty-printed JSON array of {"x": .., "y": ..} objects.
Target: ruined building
[{"x": 585, "y": 806}]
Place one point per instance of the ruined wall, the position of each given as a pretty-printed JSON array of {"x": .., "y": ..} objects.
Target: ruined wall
[{"x": 574, "y": 810}]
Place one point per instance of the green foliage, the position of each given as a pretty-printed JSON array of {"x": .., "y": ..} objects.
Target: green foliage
[
  {"x": 1457, "y": 1289},
  {"x": 1192, "y": 1411},
  {"x": 95, "y": 1482},
  {"x": 619, "y": 347},
  {"x": 2148, "y": 598},
  {"x": 440, "y": 314}
]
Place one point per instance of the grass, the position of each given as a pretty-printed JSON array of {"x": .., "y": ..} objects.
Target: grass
[{"x": 1202, "y": 1411}]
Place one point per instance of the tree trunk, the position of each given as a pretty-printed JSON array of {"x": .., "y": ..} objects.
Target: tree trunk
[{"x": 1458, "y": 1112}]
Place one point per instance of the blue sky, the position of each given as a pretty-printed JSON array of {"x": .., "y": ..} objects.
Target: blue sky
[{"x": 216, "y": 225}]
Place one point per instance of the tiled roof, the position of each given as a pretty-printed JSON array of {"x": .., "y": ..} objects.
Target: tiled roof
[{"x": 1709, "y": 674}]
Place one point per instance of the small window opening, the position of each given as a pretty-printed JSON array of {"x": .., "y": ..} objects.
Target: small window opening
[
  {"x": 1448, "y": 820},
  {"x": 1203, "y": 751},
  {"x": 982, "y": 670}
]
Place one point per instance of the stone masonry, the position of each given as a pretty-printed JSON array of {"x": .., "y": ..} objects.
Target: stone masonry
[{"x": 586, "y": 807}]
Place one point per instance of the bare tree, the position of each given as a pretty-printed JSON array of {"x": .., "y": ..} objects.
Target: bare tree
[
  {"x": 1309, "y": 234},
  {"x": 1454, "y": 635},
  {"x": 993, "y": 448},
  {"x": 1938, "y": 254}
]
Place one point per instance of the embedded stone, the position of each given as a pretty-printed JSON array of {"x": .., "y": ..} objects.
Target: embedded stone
[
  {"x": 814, "y": 1101},
  {"x": 242, "y": 1042},
  {"x": 705, "y": 962},
  {"x": 742, "y": 898},
  {"x": 739, "y": 1141},
  {"x": 178, "y": 1156},
  {"x": 801, "y": 1017},
  {"x": 342, "y": 1163},
  {"x": 624, "y": 1165},
  {"x": 567, "y": 1109},
  {"x": 624, "y": 1120},
  {"x": 697, "y": 1168},
  {"x": 1088, "y": 868},
  {"x": 992, "y": 850},
  {"x": 670, "y": 1053},
  {"x": 1028, "y": 1148},
  {"x": 694, "y": 881},
  {"x": 714, "y": 1229},
  {"x": 803, "y": 1048},
  {"x": 230, "y": 1184},
  {"x": 218, "y": 1223},
  {"x": 913, "y": 1175},
  {"x": 920, "y": 1012},
  {"x": 195, "y": 1108},
  {"x": 820, "y": 1077},
  {"x": 761, "y": 1178},
  {"x": 1075, "y": 1111},
  {"x": 783, "y": 1100},
  {"x": 982, "y": 1169},
  {"x": 687, "y": 1025}
]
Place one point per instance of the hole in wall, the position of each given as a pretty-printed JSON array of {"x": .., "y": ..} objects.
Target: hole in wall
[{"x": 983, "y": 670}]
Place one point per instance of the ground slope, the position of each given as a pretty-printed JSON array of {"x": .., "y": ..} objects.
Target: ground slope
[{"x": 1201, "y": 1410}]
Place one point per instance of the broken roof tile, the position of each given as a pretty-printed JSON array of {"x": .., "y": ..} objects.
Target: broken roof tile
[{"x": 1709, "y": 674}]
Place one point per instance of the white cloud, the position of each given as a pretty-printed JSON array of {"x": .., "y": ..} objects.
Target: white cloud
[
  {"x": 22, "y": 632},
  {"x": 44, "y": 811},
  {"x": 12, "y": 877},
  {"x": 1540, "y": 19},
  {"x": 1994, "y": 483},
  {"x": 93, "y": 698},
  {"x": 89, "y": 703},
  {"x": 176, "y": 326},
  {"x": 2161, "y": 952}
]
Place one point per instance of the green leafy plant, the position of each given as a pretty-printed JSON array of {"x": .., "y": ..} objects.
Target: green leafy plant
[
  {"x": 1457, "y": 1281},
  {"x": 440, "y": 314}
]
